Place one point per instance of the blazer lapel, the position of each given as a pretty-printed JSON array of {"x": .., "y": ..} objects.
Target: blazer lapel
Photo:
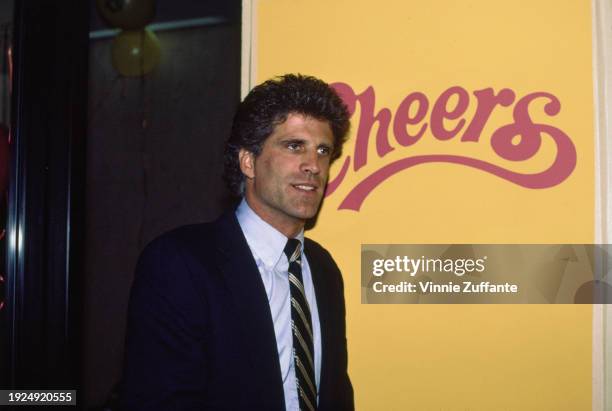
[
  {"x": 243, "y": 280},
  {"x": 322, "y": 294}
]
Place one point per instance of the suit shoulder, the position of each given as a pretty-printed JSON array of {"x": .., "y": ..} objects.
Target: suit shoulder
[
  {"x": 316, "y": 248},
  {"x": 191, "y": 238},
  {"x": 185, "y": 234},
  {"x": 186, "y": 246},
  {"x": 317, "y": 252}
]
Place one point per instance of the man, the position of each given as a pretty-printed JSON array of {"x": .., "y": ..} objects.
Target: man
[{"x": 245, "y": 313}]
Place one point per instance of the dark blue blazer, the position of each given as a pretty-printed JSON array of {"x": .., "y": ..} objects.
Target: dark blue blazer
[{"x": 200, "y": 334}]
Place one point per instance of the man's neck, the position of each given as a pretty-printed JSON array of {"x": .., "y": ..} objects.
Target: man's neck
[{"x": 289, "y": 227}]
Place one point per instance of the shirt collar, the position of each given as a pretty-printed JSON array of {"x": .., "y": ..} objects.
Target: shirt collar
[{"x": 265, "y": 241}]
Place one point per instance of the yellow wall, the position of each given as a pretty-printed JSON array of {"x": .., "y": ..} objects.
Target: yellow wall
[{"x": 453, "y": 357}]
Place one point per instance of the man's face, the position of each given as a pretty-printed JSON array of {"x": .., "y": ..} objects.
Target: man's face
[{"x": 286, "y": 181}]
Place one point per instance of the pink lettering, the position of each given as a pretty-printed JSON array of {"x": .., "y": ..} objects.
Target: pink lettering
[
  {"x": 366, "y": 121},
  {"x": 518, "y": 141},
  {"x": 486, "y": 102},
  {"x": 403, "y": 118},
  {"x": 440, "y": 112}
]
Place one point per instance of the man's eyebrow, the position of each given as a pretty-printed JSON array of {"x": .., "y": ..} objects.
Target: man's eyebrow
[
  {"x": 292, "y": 139},
  {"x": 301, "y": 140}
]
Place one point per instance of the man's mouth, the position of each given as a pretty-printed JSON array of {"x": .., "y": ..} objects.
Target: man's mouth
[{"x": 305, "y": 187}]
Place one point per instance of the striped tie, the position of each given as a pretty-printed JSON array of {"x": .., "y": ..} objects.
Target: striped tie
[{"x": 301, "y": 324}]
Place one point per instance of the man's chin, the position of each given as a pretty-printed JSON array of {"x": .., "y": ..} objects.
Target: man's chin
[
  {"x": 303, "y": 210},
  {"x": 305, "y": 214}
]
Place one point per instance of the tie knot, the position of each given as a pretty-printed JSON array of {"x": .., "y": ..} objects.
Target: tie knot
[{"x": 293, "y": 249}]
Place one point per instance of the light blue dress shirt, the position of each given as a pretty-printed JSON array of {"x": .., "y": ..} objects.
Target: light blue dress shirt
[{"x": 267, "y": 245}]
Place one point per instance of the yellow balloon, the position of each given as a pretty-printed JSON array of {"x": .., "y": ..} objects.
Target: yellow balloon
[
  {"x": 135, "y": 52},
  {"x": 126, "y": 14}
]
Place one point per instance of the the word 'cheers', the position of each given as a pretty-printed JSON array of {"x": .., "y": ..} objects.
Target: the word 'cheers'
[{"x": 517, "y": 141}]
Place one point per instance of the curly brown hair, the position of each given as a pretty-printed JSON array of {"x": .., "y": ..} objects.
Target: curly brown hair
[{"x": 268, "y": 105}]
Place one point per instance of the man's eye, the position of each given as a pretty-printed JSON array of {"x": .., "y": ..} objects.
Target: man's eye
[
  {"x": 324, "y": 150},
  {"x": 293, "y": 146}
]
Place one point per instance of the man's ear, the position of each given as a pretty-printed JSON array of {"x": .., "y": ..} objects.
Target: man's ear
[{"x": 247, "y": 163}]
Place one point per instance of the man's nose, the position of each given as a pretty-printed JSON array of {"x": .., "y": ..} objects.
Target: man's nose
[{"x": 310, "y": 162}]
